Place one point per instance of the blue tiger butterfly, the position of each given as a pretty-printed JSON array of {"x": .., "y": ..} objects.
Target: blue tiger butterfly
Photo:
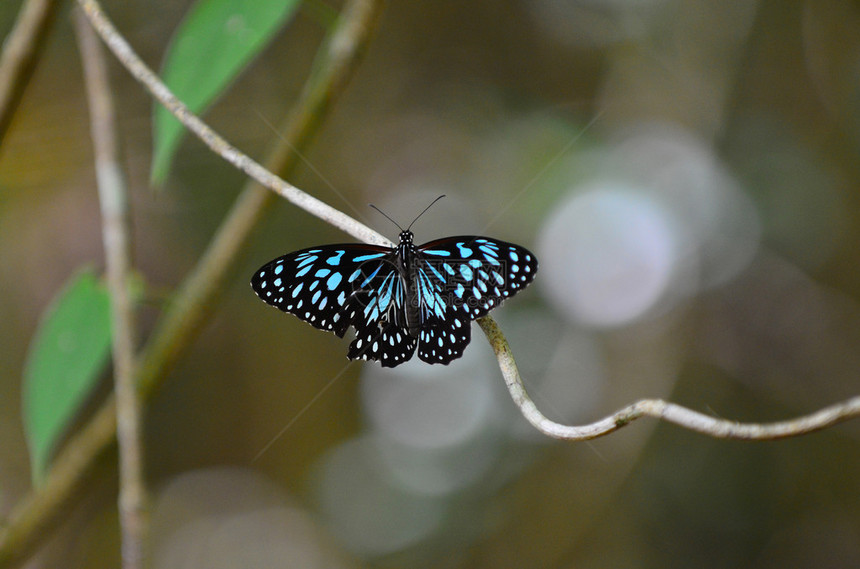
[{"x": 398, "y": 298}]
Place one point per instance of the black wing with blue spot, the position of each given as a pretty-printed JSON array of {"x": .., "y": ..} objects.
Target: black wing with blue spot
[
  {"x": 477, "y": 273},
  {"x": 334, "y": 287},
  {"x": 462, "y": 278},
  {"x": 318, "y": 284}
]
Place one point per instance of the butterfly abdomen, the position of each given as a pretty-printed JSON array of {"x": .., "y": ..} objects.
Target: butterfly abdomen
[{"x": 406, "y": 254}]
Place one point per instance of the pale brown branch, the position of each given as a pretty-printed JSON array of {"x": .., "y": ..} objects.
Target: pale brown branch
[
  {"x": 21, "y": 50},
  {"x": 113, "y": 197},
  {"x": 657, "y": 408}
]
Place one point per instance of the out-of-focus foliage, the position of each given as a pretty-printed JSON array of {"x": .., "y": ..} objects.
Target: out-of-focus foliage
[
  {"x": 686, "y": 171},
  {"x": 214, "y": 43},
  {"x": 68, "y": 352}
]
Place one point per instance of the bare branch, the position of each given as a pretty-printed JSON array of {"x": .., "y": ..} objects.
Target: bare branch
[
  {"x": 113, "y": 196},
  {"x": 657, "y": 408},
  {"x": 20, "y": 53}
]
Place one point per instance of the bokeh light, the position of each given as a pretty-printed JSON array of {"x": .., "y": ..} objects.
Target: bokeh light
[
  {"x": 660, "y": 220},
  {"x": 371, "y": 516},
  {"x": 609, "y": 256},
  {"x": 230, "y": 517}
]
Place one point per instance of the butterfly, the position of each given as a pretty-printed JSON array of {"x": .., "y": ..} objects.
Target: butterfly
[{"x": 398, "y": 299}]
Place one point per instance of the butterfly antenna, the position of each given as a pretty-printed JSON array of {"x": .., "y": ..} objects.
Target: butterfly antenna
[
  {"x": 386, "y": 216},
  {"x": 425, "y": 211}
]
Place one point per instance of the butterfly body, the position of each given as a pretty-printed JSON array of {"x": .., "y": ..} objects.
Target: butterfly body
[
  {"x": 398, "y": 299},
  {"x": 406, "y": 253}
]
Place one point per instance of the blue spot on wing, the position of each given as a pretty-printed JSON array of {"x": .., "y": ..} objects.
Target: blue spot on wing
[
  {"x": 435, "y": 272},
  {"x": 306, "y": 261},
  {"x": 370, "y": 277},
  {"x": 464, "y": 251},
  {"x": 362, "y": 258},
  {"x": 479, "y": 271},
  {"x": 335, "y": 259},
  {"x": 333, "y": 281}
]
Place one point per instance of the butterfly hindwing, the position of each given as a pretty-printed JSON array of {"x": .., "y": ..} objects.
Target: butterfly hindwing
[
  {"x": 384, "y": 341},
  {"x": 442, "y": 341}
]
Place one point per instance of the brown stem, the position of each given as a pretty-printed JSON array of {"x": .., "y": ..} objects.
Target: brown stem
[
  {"x": 21, "y": 51},
  {"x": 113, "y": 197}
]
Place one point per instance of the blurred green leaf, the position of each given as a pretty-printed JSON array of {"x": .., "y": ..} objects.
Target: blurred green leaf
[
  {"x": 67, "y": 354},
  {"x": 212, "y": 45}
]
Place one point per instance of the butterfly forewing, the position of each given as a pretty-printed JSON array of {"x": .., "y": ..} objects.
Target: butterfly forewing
[{"x": 325, "y": 286}]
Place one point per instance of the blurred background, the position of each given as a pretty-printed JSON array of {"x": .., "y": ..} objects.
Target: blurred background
[{"x": 685, "y": 170}]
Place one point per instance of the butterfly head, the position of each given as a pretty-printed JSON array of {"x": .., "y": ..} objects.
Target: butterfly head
[{"x": 406, "y": 235}]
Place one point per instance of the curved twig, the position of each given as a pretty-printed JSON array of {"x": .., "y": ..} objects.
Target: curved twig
[{"x": 657, "y": 408}]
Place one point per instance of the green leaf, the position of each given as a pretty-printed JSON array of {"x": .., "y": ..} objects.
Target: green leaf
[
  {"x": 68, "y": 353},
  {"x": 213, "y": 44}
]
